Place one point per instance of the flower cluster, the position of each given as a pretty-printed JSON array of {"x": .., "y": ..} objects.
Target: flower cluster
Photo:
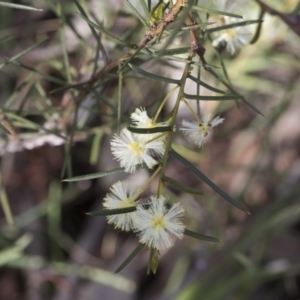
[
  {"x": 150, "y": 218},
  {"x": 148, "y": 143}
]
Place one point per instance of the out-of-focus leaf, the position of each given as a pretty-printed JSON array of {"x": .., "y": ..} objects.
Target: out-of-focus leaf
[
  {"x": 21, "y": 122},
  {"x": 44, "y": 75},
  {"x": 14, "y": 252},
  {"x": 212, "y": 98},
  {"x": 145, "y": 8},
  {"x": 102, "y": 30},
  {"x": 175, "y": 51},
  {"x": 94, "y": 175},
  {"x": 233, "y": 25},
  {"x": 291, "y": 20},
  {"x": 200, "y": 25},
  {"x": 22, "y": 53},
  {"x": 130, "y": 257},
  {"x": 137, "y": 14},
  {"x": 215, "y": 12},
  {"x": 5, "y": 205},
  {"x": 200, "y": 236},
  {"x": 99, "y": 44},
  {"x": 19, "y": 6},
  {"x": 233, "y": 91},
  {"x": 258, "y": 27}
]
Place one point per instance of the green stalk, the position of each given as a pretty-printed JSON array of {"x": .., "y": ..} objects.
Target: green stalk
[{"x": 172, "y": 123}]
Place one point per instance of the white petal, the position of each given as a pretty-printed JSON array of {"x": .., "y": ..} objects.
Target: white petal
[{"x": 216, "y": 121}]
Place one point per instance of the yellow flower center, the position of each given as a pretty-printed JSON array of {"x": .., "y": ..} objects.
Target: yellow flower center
[
  {"x": 204, "y": 129},
  {"x": 230, "y": 34},
  {"x": 127, "y": 203},
  {"x": 150, "y": 124},
  {"x": 136, "y": 148},
  {"x": 158, "y": 222}
]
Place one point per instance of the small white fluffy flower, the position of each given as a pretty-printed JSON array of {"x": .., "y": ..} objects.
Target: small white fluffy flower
[
  {"x": 155, "y": 222},
  {"x": 130, "y": 151},
  {"x": 197, "y": 132},
  {"x": 235, "y": 38},
  {"x": 120, "y": 197},
  {"x": 140, "y": 119}
]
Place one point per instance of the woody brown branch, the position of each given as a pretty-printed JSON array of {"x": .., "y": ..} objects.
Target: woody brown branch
[{"x": 152, "y": 33}]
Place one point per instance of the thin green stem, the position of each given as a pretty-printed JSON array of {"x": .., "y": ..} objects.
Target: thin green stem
[
  {"x": 5, "y": 204},
  {"x": 157, "y": 137},
  {"x": 192, "y": 111},
  {"x": 172, "y": 123},
  {"x": 120, "y": 85},
  {"x": 164, "y": 102},
  {"x": 145, "y": 185}
]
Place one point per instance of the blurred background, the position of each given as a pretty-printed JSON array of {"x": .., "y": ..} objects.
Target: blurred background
[{"x": 58, "y": 113}]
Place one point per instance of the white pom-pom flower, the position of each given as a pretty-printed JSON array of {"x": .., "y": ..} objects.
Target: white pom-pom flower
[
  {"x": 197, "y": 132},
  {"x": 140, "y": 119},
  {"x": 154, "y": 223},
  {"x": 130, "y": 151},
  {"x": 120, "y": 196},
  {"x": 235, "y": 38}
]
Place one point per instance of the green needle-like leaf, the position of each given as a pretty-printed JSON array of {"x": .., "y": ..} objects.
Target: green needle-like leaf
[
  {"x": 196, "y": 26},
  {"x": 97, "y": 38},
  {"x": 259, "y": 26},
  {"x": 22, "y": 122},
  {"x": 110, "y": 212},
  {"x": 130, "y": 257},
  {"x": 209, "y": 182},
  {"x": 153, "y": 76},
  {"x": 212, "y": 98},
  {"x": 233, "y": 25},
  {"x": 70, "y": 86},
  {"x": 215, "y": 12},
  {"x": 234, "y": 91},
  {"x": 22, "y": 53},
  {"x": 5, "y": 37},
  {"x": 137, "y": 14},
  {"x": 150, "y": 130},
  {"x": 19, "y": 6},
  {"x": 95, "y": 175},
  {"x": 200, "y": 236},
  {"x": 44, "y": 75},
  {"x": 209, "y": 87},
  {"x": 102, "y": 30},
  {"x": 174, "y": 51},
  {"x": 145, "y": 8},
  {"x": 182, "y": 186}
]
